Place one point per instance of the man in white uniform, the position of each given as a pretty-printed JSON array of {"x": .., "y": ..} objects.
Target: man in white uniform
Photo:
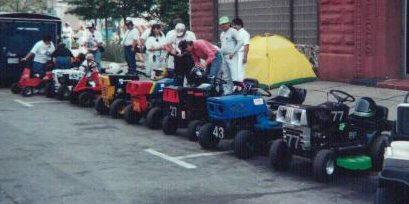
[
  {"x": 94, "y": 43},
  {"x": 182, "y": 62},
  {"x": 67, "y": 35},
  {"x": 130, "y": 43},
  {"x": 243, "y": 52}
]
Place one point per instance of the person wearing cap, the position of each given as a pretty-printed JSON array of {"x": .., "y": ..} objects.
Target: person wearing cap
[
  {"x": 231, "y": 43},
  {"x": 42, "y": 52},
  {"x": 243, "y": 52},
  {"x": 94, "y": 43},
  {"x": 203, "y": 50},
  {"x": 130, "y": 43},
  {"x": 183, "y": 62},
  {"x": 67, "y": 35}
]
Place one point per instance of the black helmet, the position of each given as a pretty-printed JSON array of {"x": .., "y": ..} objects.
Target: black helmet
[{"x": 197, "y": 76}]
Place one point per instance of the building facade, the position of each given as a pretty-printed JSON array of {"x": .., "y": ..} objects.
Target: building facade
[{"x": 357, "y": 39}]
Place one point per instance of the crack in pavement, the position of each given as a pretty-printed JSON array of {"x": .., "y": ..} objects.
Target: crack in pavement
[{"x": 8, "y": 196}]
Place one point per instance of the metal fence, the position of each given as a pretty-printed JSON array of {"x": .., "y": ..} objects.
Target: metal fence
[{"x": 295, "y": 19}]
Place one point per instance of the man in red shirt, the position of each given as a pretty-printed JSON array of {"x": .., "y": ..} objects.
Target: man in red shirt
[{"x": 203, "y": 50}]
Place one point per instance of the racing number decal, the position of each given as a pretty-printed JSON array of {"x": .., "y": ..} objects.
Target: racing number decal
[
  {"x": 173, "y": 111},
  {"x": 336, "y": 114},
  {"x": 218, "y": 132}
]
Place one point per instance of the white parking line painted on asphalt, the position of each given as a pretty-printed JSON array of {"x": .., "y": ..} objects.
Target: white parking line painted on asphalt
[
  {"x": 203, "y": 155},
  {"x": 171, "y": 159},
  {"x": 23, "y": 103},
  {"x": 34, "y": 102}
]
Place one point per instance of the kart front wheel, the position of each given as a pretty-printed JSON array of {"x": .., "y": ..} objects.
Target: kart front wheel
[
  {"x": 63, "y": 93},
  {"x": 244, "y": 144},
  {"x": 117, "y": 108},
  {"x": 49, "y": 90},
  {"x": 27, "y": 91},
  {"x": 130, "y": 116},
  {"x": 85, "y": 99},
  {"x": 384, "y": 196},
  {"x": 73, "y": 98},
  {"x": 206, "y": 138},
  {"x": 100, "y": 106},
  {"x": 169, "y": 125},
  {"x": 153, "y": 119},
  {"x": 280, "y": 156},
  {"x": 377, "y": 152},
  {"x": 15, "y": 89},
  {"x": 193, "y": 129},
  {"x": 324, "y": 165}
]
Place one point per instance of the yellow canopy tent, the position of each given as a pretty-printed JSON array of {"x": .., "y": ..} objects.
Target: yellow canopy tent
[{"x": 274, "y": 60}]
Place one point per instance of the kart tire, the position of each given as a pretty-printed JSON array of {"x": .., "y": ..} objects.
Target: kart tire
[
  {"x": 63, "y": 93},
  {"x": 280, "y": 156},
  {"x": 244, "y": 144},
  {"x": 153, "y": 119},
  {"x": 117, "y": 108},
  {"x": 384, "y": 196},
  {"x": 100, "y": 106},
  {"x": 15, "y": 89},
  {"x": 85, "y": 99},
  {"x": 206, "y": 138},
  {"x": 324, "y": 165},
  {"x": 27, "y": 91},
  {"x": 169, "y": 125},
  {"x": 73, "y": 98},
  {"x": 130, "y": 116},
  {"x": 49, "y": 90},
  {"x": 193, "y": 129},
  {"x": 377, "y": 152}
]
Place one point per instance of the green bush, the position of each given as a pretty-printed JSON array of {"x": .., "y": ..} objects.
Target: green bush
[{"x": 114, "y": 53}]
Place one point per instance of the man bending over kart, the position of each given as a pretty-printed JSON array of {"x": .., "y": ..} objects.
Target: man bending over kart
[
  {"x": 62, "y": 57},
  {"x": 41, "y": 51},
  {"x": 203, "y": 50}
]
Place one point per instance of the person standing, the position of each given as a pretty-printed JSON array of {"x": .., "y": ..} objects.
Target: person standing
[
  {"x": 155, "y": 51},
  {"x": 231, "y": 43},
  {"x": 42, "y": 52},
  {"x": 203, "y": 50},
  {"x": 94, "y": 43},
  {"x": 243, "y": 52},
  {"x": 183, "y": 62},
  {"x": 130, "y": 43},
  {"x": 81, "y": 39},
  {"x": 67, "y": 35}
]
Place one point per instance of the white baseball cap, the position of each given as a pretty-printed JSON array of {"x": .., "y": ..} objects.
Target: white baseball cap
[{"x": 180, "y": 29}]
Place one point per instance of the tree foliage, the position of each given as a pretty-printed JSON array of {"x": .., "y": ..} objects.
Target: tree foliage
[
  {"x": 34, "y": 6},
  {"x": 167, "y": 10}
]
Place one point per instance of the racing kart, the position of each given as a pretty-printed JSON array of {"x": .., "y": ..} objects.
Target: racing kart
[
  {"x": 331, "y": 137},
  {"x": 248, "y": 119},
  {"x": 63, "y": 82},
  {"x": 87, "y": 89},
  {"x": 393, "y": 184}
]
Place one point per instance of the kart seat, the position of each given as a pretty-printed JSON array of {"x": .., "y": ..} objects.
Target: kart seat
[{"x": 369, "y": 115}]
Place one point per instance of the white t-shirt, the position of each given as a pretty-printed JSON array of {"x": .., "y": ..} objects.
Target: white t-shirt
[
  {"x": 67, "y": 32},
  {"x": 174, "y": 40},
  {"x": 93, "y": 39},
  {"x": 157, "y": 59},
  {"x": 42, "y": 52},
  {"x": 130, "y": 36},
  {"x": 88, "y": 65},
  {"x": 145, "y": 34},
  {"x": 245, "y": 36}
]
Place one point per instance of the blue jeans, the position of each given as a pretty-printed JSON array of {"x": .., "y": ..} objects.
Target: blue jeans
[
  {"x": 38, "y": 68},
  {"x": 130, "y": 59},
  {"x": 213, "y": 68},
  {"x": 97, "y": 58}
]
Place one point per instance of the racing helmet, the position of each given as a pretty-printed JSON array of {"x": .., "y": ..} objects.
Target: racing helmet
[
  {"x": 197, "y": 76},
  {"x": 365, "y": 107}
]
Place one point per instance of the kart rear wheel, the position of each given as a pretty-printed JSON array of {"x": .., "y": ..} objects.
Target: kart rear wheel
[
  {"x": 117, "y": 108},
  {"x": 63, "y": 93},
  {"x": 27, "y": 91},
  {"x": 73, "y": 98},
  {"x": 169, "y": 125},
  {"x": 244, "y": 144},
  {"x": 130, "y": 115},
  {"x": 377, "y": 152},
  {"x": 384, "y": 196},
  {"x": 193, "y": 129},
  {"x": 153, "y": 119},
  {"x": 49, "y": 90},
  {"x": 324, "y": 165},
  {"x": 280, "y": 156},
  {"x": 15, "y": 89},
  {"x": 85, "y": 99},
  {"x": 206, "y": 138},
  {"x": 100, "y": 106}
]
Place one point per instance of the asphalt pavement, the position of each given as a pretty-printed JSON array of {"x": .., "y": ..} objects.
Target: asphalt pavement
[{"x": 55, "y": 152}]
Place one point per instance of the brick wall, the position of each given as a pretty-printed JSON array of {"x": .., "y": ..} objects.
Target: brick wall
[{"x": 202, "y": 18}]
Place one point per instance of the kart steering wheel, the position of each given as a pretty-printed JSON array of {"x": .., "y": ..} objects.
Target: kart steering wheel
[
  {"x": 342, "y": 96},
  {"x": 264, "y": 92}
]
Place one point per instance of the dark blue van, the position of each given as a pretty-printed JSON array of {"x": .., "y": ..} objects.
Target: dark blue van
[{"x": 18, "y": 34}]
